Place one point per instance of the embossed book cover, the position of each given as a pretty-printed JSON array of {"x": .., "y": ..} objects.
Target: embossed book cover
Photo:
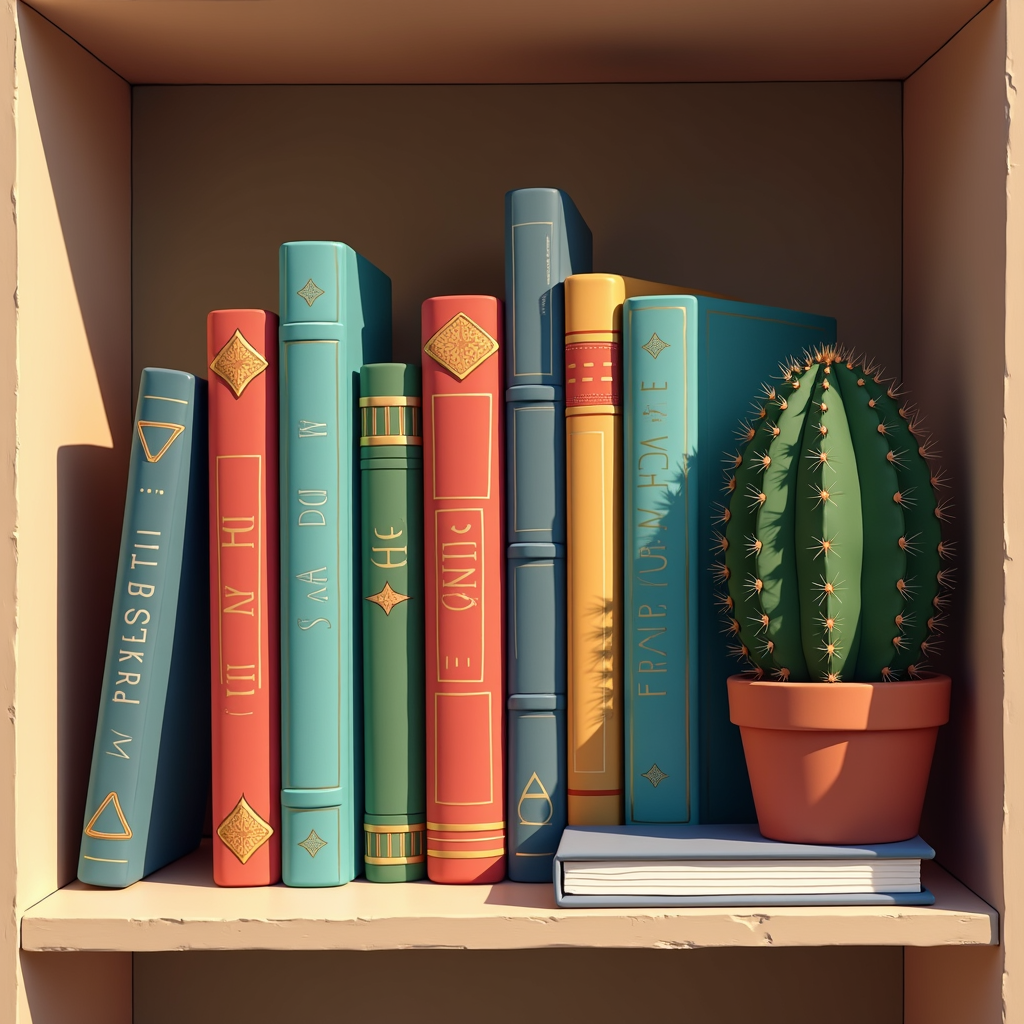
[
  {"x": 464, "y": 585},
  {"x": 241, "y": 348},
  {"x": 335, "y": 316},
  {"x": 151, "y": 760},
  {"x": 546, "y": 240},
  {"x": 391, "y": 463}
]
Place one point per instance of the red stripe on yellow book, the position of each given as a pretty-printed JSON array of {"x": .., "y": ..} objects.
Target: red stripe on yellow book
[
  {"x": 242, "y": 354},
  {"x": 464, "y": 587}
]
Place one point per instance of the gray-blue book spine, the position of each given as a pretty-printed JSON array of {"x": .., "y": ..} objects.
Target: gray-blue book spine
[
  {"x": 335, "y": 310},
  {"x": 151, "y": 759},
  {"x": 684, "y": 355},
  {"x": 546, "y": 240}
]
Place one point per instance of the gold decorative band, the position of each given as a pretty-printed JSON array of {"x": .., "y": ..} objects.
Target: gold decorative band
[
  {"x": 389, "y": 400},
  {"x": 466, "y": 854},
  {"x": 389, "y": 423},
  {"x": 393, "y": 439},
  {"x": 394, "y": 860},
  {"x": 593, "y": 410},
  {"x": 437, "y": 826},
  {"x": 394, "y": 828},
  {"x": 396, "y": 844}
]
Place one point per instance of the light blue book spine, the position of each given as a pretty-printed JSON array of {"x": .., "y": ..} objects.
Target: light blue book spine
[
  {"x": 661, "y": 521},
  {"x": 335, "y": 310},
  {"x": 546, "y": 240},
  {"x": 740, "y": 347},
  {"x": 151, "y": 760}
]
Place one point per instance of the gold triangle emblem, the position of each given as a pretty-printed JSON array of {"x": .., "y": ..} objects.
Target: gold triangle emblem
[
  {"x": 460, "y": 346},
  {"x": 156, "y": 446},
  {"x": 90, "y": 829},
  {"x": 540, "y": 793},
  {"x": 243, "y": 831},
  {"x": 238, "y": 364}
]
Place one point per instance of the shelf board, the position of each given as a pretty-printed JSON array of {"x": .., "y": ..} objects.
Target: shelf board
[
  {"x": 179, "y": 908},
  {"x": 450, "y": 41}
]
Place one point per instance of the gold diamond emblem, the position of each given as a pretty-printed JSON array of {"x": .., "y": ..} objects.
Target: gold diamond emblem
[
  {"x": 460, "y": 346},
  {"x": 238, "y": 363},
  {"x": 655, "y": 346},
  {"x": 655, "y": 775},
  {"x": 388, "y": 598},
  {"x": 312, "y": 844},
  {"x": 310, "y": 292},
  {"x": 243, "y": 831}
]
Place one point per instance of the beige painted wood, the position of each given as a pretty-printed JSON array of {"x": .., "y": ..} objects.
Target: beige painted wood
[
  {"x": 70, "y": 203},
  {"x": 180, "y": 908},
  {"x": 961, "y": 363},
  {"x": 527, "y": 41}
]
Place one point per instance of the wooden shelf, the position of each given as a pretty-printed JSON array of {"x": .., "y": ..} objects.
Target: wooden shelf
[{"x": 180, "y": 908}]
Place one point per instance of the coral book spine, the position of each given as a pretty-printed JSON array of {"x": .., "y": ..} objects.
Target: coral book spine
[
  {"x": 464, "y": 587},
  {"x": 244, "y": 589}
]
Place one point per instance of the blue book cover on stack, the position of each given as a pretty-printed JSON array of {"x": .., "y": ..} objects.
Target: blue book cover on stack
[
  {"x": 546, "y": 240},
  {"x": 730, "y": 866},
  {"x": 686, "y": 358},
  {"x": 335, "y": 316},
  {"x": 151, "y": 760}
]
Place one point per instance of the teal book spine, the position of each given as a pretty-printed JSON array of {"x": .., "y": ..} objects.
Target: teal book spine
[
  {"x": 546, "y": 240},
  {"x": 151, "y": 760},
  {"x": 335, "y": 310},
  {"x": 661, "y": 585},
  {"x": 684, "y": 355}
]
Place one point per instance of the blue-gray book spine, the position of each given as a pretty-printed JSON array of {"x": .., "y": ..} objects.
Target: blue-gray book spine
[
  {"x": 151, "y": 760},
  {"x": 335, "y": 310},
  {"x": 546, "y": 240},
  {"x": 684, "y": 355}
]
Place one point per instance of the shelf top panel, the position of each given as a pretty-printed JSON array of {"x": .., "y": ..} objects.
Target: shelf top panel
[
  {"x": 180, "y": 908},
  {"x": 467, "y": 41}
]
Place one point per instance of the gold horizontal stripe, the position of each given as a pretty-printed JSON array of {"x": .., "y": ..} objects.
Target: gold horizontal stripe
[
  {"x": 436, "y": 826},
  {"x": 593, "y": 410},
  {"x": 388, "y": 400},
  {"x": 394, "y": 828},
  {"x": 389, "y": 439},
  {"x": 466, "y": 854},
  {"x": 394, "y": 860},
  {"x": 464, "y": 839},
  {"x": 110, "y": 860}
]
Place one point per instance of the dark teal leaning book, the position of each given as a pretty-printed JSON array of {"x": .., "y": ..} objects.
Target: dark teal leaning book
[
  {"x": 151, "y": 760},
  {"x": 335, "y": 316},
  {"x": 546, "y": 240},
  {"x": 684, "y": 356},
  {"x": 730, "y": 866}
]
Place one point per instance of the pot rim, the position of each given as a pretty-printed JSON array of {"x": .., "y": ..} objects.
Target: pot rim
[{"x": 851, "y": 706}]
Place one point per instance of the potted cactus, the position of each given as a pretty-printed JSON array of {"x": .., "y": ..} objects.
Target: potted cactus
[{"x": 832, "y": 555}]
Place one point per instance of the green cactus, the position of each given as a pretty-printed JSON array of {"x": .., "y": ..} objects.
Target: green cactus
[{"x": 832, "y": 550}]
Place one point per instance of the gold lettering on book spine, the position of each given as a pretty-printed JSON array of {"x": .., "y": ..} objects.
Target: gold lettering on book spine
[
  {"x": 238, "y": 364},
  {"x": 461, "y": 346},
  {"x": 243, "y": 831}
]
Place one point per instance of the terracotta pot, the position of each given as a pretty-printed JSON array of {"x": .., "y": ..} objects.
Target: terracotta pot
[{"x": 839, "y": 762}]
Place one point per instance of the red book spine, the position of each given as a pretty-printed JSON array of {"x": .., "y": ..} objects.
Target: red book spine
[
  {"x": 244, "y": 590},
  {"x": 464, "y": 541}
]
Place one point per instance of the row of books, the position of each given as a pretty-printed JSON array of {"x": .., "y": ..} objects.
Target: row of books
[{"x": 508, "y": 561}]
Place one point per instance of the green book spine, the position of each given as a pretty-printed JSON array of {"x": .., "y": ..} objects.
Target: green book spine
[{"x": 391, "y": 462}]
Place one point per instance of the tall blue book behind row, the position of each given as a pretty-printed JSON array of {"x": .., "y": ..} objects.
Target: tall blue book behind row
[{"x": 546, "y": 240}]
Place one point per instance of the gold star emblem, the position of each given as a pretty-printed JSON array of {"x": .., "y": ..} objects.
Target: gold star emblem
[
  {"x": 312, "y": 844},
  {"x": 460, "y": 346},
  {"x": 243, "y": 831},
  {"x": 388, "y": 598},
  {"x": 238, "y": 363},
  {"x": 655, "y": 775},
  {"x": 310, "y": 292},
  {"x": 655, "y": 346}
]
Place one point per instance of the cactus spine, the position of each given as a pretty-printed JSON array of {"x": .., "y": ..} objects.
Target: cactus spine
[{"x": 832, "y": 546}]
